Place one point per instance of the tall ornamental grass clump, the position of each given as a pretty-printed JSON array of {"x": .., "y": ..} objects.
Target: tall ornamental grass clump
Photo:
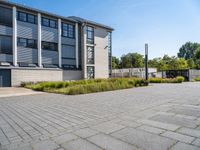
[{"x": 87, "y": 86}]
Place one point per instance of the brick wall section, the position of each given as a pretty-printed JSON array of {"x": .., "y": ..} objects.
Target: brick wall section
[{"x": 28, "y": 75}]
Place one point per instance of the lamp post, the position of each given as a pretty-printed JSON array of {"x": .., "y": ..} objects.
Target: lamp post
[{"x": 146, "y": 62}]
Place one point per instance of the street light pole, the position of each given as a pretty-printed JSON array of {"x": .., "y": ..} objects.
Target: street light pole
[{"x": 146, "y": 62}]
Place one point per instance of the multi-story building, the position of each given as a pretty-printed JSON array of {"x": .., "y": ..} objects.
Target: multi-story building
[{"x": 39, "y": 46}]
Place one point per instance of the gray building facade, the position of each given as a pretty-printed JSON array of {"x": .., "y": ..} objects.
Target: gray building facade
[{"x": 40, "y": 46}]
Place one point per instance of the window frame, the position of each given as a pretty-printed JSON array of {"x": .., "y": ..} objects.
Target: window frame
[
  {"x": 89, "y": 76},
  {"x": 90, "y": 40},
  {"x": 27, "y": 45},
  {"x": 5, "y": 51},
  {"x": 49, "y": 46},
  {"x": 91, "y": 60},
  {"x": 26, "y": 17},
  {"x": 48, "y": 21},
  {"x": 68, "y": 30},
  {"x": 6, "y": 22}
]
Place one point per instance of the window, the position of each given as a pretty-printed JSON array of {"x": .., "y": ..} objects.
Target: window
[
  {"x": 22, "y": 16},
  {"x": 49, "y": 23},
  {"x": 90, "y": 72},
  {"x": 90, "y": 35},
  {"x": 52, "y": 23},
  {"x": 31, "y": 19},
  {"x": 68, "y": 30},
  {"x": 21, "y": 42},
  {"x": 6, "y": 45},
  {"x": 90, "y": 55},
  {"x": 50, "y": 46},
  {"x": 25, "y": 17},
  {"x": 6, "y": 16},
  {"x": 29, "y": 43},
  {"x": 45, "y": 22}
]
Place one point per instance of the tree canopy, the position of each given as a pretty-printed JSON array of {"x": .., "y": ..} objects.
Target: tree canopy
[{"x": 188, "y": 57}]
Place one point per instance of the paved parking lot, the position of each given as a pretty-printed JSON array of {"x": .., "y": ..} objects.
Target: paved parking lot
[{"x": 158, "y": 117}]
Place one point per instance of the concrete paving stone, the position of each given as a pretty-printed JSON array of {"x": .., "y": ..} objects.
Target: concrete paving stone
[
  {"x": 179, "y": 137},
  {"x": 129, "y": 123},
  {"x": 44, "y": 145},
  {"x": 107, "y": 127},
  {"x": 196, "y": 142},
  {"x": 110, "y": 143},
  {"x": 187, "y": 117},
  {"x": 175, "y": 120},
  {"x": 151, "y": 129},
  {"x": 64, "y": 138},
  {"x": 80, "y": 144},
  {"x": 144, "y": 140},
  {"x": 183, "y": 146},
  {"x": 186, "y": 111},
  {"x": 158, "y": 124},
  {"x": 189, "y": 131},
  {"x": 85, "y": 133}
]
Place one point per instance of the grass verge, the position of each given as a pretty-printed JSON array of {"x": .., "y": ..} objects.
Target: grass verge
[{"x": 86, "y": 86}]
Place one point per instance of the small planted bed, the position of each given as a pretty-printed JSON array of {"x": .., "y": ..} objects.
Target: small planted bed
[{"x": 86, "y": 86}]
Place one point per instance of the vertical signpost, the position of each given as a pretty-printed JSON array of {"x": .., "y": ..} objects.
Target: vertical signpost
[{"x": 146, "y": 62}]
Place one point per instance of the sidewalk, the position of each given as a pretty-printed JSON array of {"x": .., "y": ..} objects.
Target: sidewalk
[{"x": 16, "y": 91}]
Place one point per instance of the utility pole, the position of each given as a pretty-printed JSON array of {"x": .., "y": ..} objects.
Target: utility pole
[{"x": 146, "y": 62}]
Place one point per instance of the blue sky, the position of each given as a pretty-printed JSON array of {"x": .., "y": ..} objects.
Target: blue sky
[{"x": 164, "y": 24}]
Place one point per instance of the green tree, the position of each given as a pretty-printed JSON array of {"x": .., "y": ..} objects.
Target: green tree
[
  {"x": 115, "y": 62},
  {"x": 187, "y": 50},
  {"x": 197, "y": 58},
  {"x": 191, "y": 63},
  {"x": 131, "y": 60}
]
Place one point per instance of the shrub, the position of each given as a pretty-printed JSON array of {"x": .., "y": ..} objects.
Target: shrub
[
  {"x": 197, "y": 79},
  {"x": 180, "y": 79}
]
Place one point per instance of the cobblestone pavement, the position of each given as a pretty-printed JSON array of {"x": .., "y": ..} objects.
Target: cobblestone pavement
[{"x": 158, "y": 117}]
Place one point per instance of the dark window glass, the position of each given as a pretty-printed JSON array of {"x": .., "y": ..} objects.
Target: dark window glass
[
  {"x": 71, "y": 31},
  {"x": 6, "y": 16},
  {"x": 21, "y": 42},
  {"x": 90, "y": 35},
  {"x": 31, "y": 18},
  {"x": 31, "y": 43},
  {"x": 49, "y": 23},
  {"x": 5, "y": 45},
  {"x": 25, "y": 17},
  {"x": 50, "y": 46},
  {"x": 90, "y": 72},
  {"x": 45, "y": 22},
  {"x": 68, "y": 30},
  {"x": 90, "y": 55},
  {"x": 52, "y": 24},
  {"x": 22, "y": 16}
]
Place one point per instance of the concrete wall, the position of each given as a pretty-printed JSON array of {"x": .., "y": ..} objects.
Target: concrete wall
[
  {"x": 101, "y": 53},
  {"x": 34, "y": 75},
  {"x": 72, "y": 75},
  {"x": 193, "y": 74}
]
